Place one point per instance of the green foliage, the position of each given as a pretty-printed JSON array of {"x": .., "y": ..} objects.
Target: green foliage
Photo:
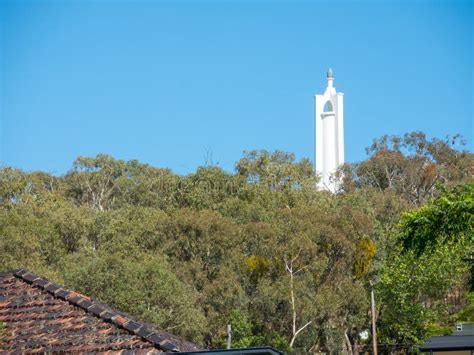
[
  {"x": 466, "y": 314},
  {"x": 242, "y": 331},
  {"x": 412, "y": 166},
  {"x": 138, "y": 284},
  {"x": 435, "y": 241},
  {"x": 438, "y": 330},
  {"x": 276, "y": 170},
  {"x": 413, "y": 290},
  {"x": 366, "y": 250},
  {"x": 194, "y": 253},
  {"x": 449, "y": 218},
  {"x": 257, "y": 265}
]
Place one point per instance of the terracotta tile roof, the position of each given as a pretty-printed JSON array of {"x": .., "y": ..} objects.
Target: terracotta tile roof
[{"x": 40, "y": 316}]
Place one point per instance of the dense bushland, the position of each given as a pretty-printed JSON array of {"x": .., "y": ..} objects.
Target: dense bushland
[{"x": 261, "y": 249}]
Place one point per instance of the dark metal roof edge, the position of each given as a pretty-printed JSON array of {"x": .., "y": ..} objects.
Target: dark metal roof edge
[
  {"x": 106, "y": 314},
  {"x": 256, "y": 350},
  {"x": 438, "y": 343},
  {"x": 425, "y": 350}
]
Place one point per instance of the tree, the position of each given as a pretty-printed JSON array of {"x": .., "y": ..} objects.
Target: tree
[
  {"x": 91, "y": 180},
  {"x": 449, "y": 218},
  {"x": 259, "y": 248},
  {"x": 142, "y": 284},
  {"x": 292, "y": 269},
  {"x": 277, "y": 170},
  {"x": 416, "y": 283},
  {"x": 412, "y": 165},
  {"x": 414, "y": 293}
]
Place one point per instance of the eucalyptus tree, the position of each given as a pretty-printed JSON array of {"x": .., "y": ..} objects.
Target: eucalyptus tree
[{"x": 412, "y": 165}]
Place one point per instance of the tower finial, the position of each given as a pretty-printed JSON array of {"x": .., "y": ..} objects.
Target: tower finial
[{"x": 330, "y": 74}]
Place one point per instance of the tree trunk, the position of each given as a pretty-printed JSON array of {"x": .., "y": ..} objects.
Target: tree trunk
[{"x": 348, "y": 344}]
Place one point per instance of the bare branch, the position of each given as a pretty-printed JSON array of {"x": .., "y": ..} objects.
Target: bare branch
[{"x": 299, "y": 331}]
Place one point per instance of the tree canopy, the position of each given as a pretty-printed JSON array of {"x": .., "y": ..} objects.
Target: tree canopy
[{"x": 261, "y": 248}]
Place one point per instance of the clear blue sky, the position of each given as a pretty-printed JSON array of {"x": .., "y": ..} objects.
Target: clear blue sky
[{"x": 169, "y": 83}]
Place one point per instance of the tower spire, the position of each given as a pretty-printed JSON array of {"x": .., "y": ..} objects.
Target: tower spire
[
  {"x": 329, "y": 116},
  {"x": 330, "y": 74},
  {"x": 330, "y": 77}
]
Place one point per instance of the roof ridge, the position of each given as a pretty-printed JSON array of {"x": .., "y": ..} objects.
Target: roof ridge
[{"x": 103, "y": 312}]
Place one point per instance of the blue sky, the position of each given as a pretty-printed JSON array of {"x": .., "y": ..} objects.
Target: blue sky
[{"x": 171, "y": 83}]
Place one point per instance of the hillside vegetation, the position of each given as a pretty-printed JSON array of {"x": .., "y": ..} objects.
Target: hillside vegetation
[{"x": 261, "y": 249}]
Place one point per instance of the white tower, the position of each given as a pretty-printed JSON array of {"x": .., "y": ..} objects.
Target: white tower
[{"x": 329, "y": 134}]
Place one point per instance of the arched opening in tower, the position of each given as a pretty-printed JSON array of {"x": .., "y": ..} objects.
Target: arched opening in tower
[{"x": 328, "y": 107}]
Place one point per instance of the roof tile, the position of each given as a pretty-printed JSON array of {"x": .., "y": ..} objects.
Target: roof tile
[
  {"x": 40, "y": 282},
  {"x": 167, "y": 345},
  {"x": 51, "y": 287},
  {"x": 132, "y": 326},
  {"x": 41, "y": 316},
  {"x": 29, "y": 277},
  {"x": 155, "y": 338},
  {"x": 61, "y": 293},
  {"x": 144, "y": 332},
  {"x": 83, "y": 303},
  {"x": 73, "y": 298},
  {"x": 20, "y": 272},
  {"x": 96, "y": 309},
  {"x": 119, "y": 320},
  {"x": 107, "y": 315}
]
